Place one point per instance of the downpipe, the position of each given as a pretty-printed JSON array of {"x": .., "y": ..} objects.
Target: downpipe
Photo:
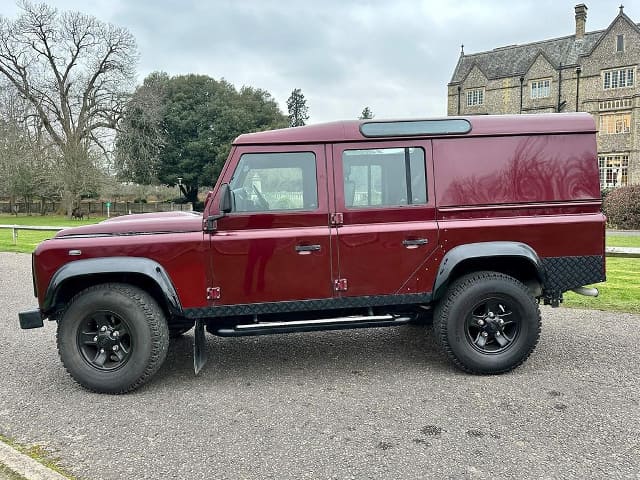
[{"x": 586, "y": 291}]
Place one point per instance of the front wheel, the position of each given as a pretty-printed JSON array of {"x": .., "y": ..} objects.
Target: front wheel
[
  {"x": 112, "y": 338},
  {"x": 487, "y": 323}
]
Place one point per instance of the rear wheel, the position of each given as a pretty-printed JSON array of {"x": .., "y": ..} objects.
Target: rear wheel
[
  {"x": 112, "y": 338},
  {"x": 487, "y": 323}
]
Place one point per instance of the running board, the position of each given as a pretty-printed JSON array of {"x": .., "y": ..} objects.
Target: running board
[{"x": 270, "y": 328}]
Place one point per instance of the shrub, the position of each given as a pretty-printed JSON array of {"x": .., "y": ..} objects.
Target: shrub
[
  {"x": 606, "y": 191},
  {"x": 622, "y": 207}
]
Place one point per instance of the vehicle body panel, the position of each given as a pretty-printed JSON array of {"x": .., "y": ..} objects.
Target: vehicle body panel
[
  {"x": 182, "y": 255},
  {"x": 254, "y": 256},
  {"x": 370, "y": 250},
  {"x": 528, "y": 179}
]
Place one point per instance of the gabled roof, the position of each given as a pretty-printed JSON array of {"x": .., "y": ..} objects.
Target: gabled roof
[{"x": 515, "y": 60}]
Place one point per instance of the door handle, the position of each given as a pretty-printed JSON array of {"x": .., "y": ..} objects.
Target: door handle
[
  {"x": 307, "y": 249},
  {"x": 415, "y": 243}
]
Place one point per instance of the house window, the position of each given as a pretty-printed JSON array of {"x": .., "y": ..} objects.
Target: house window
[
  {"x": 475, "y": 97},
  {"x": 615, "y": 123},
  {"x": 613, "y": 170},
  {"x": 616, "y": 104},
  {"x": 620, "y": 78},
  {"x": 541, "y": 88},
  {"x": 620, "y": 43}
]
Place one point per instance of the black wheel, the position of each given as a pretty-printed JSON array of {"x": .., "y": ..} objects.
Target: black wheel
[
  {"x": 487, "y": 323},
  {"x": 112, "y": 338}
]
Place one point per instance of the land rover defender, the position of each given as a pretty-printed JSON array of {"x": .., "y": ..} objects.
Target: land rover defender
[{"x": 472, "y": 221}]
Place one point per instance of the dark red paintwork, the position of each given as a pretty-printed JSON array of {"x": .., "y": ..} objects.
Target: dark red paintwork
[{"x": 529, "y": 178}]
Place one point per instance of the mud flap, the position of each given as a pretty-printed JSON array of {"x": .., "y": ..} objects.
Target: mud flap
[{"x": 199, "y": 347}]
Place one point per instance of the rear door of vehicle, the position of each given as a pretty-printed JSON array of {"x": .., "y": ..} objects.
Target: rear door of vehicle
[{"x": 384, "y": 212}]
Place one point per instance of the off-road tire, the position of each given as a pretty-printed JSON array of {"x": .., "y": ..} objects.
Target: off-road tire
[
  {"x": 146, "y": 330},
  {"x": 453, "y": 313}
]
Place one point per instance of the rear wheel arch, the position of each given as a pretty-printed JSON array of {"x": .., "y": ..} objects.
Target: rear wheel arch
[{"x": 514, "y": 259}]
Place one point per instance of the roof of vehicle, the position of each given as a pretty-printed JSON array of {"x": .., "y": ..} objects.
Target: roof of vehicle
[{"x": 481, "y": 125}]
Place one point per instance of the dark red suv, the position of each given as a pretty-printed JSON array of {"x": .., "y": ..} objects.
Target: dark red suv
[{"x": 471, "y": 221}]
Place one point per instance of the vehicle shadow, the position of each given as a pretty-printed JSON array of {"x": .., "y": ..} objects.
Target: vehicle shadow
[{"x": 331, "y": 353}]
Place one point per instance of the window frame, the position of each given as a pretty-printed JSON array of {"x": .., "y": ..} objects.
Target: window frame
[
  {"x": 606, "y": 170},
  {"x": 271, "y": 210},
  {"x": 613, "y": 78},
  {"x": 538, "y": 87},
  {"x": 475, "y": 97},
  {"x": 608, "y": 123},
  {"x": 410, "y": 202},
  {"x": 620, "y": 43}
]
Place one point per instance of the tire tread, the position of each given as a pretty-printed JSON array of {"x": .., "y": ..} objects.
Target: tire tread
[
  {"x": 157, "y": 323},
  {"x": 443, "y": 308}
]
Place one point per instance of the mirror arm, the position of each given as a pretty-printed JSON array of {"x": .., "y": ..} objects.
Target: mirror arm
[
  {"x": 225, "y": 207},
  {"x": 210, "y": 225}
]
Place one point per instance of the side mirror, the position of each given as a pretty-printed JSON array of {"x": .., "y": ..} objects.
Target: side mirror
[{"x": 226, "y": 203}]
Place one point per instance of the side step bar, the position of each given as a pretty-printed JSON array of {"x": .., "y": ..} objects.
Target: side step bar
[{"x": 270, "y": 328}]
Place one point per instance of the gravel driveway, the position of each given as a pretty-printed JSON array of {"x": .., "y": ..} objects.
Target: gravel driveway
[{"x": 379, "y": 404}]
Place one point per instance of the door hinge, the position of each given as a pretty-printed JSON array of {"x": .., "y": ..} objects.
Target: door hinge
[
  {"x": 213, "y": 293},
  {"x": 340, "y": 285},
  {"x": 337, "y": 219}
]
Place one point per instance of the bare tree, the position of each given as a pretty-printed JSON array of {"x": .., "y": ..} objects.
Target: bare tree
[
  {"x": 141, "y": 134},
  {"x": 27, "y": 158},
  {"x": 76, "y": 72}
]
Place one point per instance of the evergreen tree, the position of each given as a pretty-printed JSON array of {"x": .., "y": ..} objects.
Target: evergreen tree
[
  {"x": 298, "y": 110},
  {"x": 183, "y": 126},
  {"x": 366, "y": 114}
]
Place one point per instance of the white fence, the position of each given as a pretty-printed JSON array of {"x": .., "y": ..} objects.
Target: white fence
[
  {"x": 95, "y": 208},
  {"x": 16, "y": 228}
]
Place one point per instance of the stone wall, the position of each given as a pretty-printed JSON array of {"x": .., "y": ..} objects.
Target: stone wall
[{"x": 502, "y": 95}]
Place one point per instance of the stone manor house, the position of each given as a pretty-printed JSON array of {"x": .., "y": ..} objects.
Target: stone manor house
[{"x": 593, "y": 72}]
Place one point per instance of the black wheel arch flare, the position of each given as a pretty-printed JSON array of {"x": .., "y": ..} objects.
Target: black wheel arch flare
[
  {"x": 99, "y": 270},
  {"x": 485, "y": 252}
]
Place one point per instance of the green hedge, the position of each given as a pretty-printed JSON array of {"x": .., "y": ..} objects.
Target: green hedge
[{"x": 622, "y": 207}]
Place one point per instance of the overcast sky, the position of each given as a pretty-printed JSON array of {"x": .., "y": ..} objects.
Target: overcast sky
[{"x": 395, "y": 56}]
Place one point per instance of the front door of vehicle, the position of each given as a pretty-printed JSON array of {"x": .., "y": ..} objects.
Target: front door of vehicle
[
  {"x": 385, "y": 211},
  {"x": 275, "y": 244}
]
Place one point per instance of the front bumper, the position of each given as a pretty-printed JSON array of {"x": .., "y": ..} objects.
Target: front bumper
[{"x": 30, "y": 319}]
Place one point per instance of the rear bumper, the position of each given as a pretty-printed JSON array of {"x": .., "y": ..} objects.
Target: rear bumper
[{"x": 30, "y": 319}]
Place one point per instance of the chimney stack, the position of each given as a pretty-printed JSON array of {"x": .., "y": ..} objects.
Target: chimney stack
[{"x": 581, "y": 20}]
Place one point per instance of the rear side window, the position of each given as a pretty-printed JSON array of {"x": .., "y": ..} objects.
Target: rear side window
[
  {"x": 384, "y": 177},
  {"x": 264, "y": 182}
]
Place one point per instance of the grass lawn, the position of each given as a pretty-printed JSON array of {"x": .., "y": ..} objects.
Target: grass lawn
[
  {"x": 27, "y": 240},
  {"x": 614, "y": 240},
  {"x": 46, "y": 220},
  {"x": 620, "y": 292}
]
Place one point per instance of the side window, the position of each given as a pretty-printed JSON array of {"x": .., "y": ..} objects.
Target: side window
[
  {"x": 264, "y": 182},
  {"x": 384, "y": 177}
]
